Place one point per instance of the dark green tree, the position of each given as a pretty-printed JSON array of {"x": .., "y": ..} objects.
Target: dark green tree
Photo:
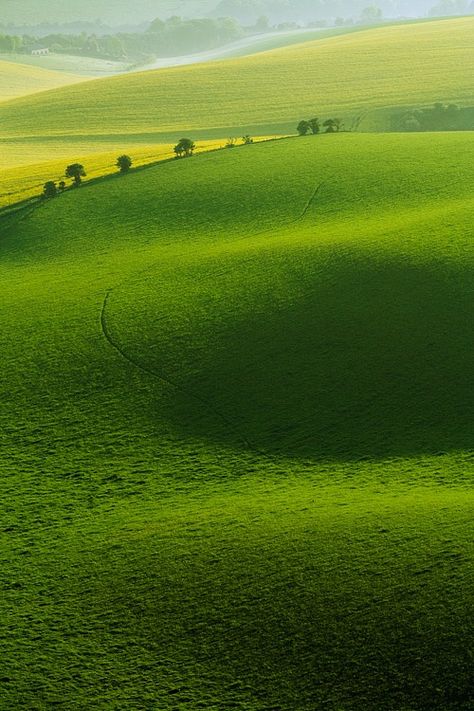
[
  {"x": 124, "y": 163},
  {"x": 184, "y": 148},
  {"x": 314, "y": 125},
  {"x": 247, "y": 140},
  {"x": 333, "y": 125},
  {"x": 49, "y": 189},
  {"x": 77, "y": 172},
  {"x": 303, "y": 128}
]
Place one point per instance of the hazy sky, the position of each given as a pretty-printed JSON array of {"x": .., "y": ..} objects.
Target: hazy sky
[{"x": 135, "y": 11}]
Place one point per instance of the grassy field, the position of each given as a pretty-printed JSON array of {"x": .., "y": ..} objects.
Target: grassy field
[
  {"x": 20, "y": 179},
  {"x": 236, "y": 414},
  {"x": 21, "y": 80},
  {"x": 347, "y": 75}
]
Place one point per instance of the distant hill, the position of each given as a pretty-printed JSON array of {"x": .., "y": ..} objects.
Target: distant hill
[
  {"x": 347, "y": 76},
  {"x": 20, "y": 79}
]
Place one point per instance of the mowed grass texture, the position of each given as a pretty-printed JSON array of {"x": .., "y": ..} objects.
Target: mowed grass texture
[
  {"x": 236, "y": 417},
  {"x": 346, "y": 75},
  {"x": 21, "y": 80}
]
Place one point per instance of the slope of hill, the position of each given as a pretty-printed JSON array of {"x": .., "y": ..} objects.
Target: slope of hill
[
  {"x": 236, "y": 414},
  {"x": 21, "y": 80},
  {"x": 268, "y": 92}
]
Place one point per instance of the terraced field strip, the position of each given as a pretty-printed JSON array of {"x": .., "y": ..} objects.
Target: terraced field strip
[{"x": 21, "y": 182}]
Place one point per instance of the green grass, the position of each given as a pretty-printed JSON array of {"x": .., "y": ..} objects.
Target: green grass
[
  {"x": 349, "y": 75},
  {"x": 236, "y": 420}
]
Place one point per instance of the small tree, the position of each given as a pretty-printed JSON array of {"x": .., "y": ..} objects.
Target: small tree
[
  {"x": 49, "y": 189},
  {"x": 124, "y": 163},
  {"x": 62, "y": 186},
  {"x": 314, "y": 126},
  {"x": 262, "y": 24},
  {"x": 303, "y": 128},
  {"x": 77, "y": 172},
  {"x": 333, "y": 125},
  {"x": 247, "y": 140},
  {"x": 184, "y": 148},
  {"x": 230, "y": 143}
]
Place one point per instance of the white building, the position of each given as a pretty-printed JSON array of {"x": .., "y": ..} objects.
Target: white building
[{"x": 40, "y": 52}]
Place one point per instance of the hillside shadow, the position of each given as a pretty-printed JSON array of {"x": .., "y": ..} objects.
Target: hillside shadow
[{"x": 374, "y": 361}]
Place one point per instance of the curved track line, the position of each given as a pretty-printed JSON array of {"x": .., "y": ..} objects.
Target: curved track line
[
  {"x": 164, "y": 378},
  {"x": 311, "y": 200},
  {"x": 115, "y": 344}
]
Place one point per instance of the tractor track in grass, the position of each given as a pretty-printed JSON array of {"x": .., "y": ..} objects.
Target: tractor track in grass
[
  {"x": 114, "y": 342},
  {"x": 107, "y": 332}
]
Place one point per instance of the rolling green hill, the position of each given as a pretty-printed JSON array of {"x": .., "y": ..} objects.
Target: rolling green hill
[
  {"x": 347, "y": 75},
  {"x": 21, "y": 80},
  {"x": 236, "y": 413}
]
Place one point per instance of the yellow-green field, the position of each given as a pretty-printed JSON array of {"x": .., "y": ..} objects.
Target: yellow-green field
[
  {"x": 346, "y": 75},
  {"x": 21, "y": 80},
  {"x": 20, "y": 179}
]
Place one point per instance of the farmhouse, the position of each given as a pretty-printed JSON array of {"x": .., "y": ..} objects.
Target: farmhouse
[{"x": 40, "y": 52}]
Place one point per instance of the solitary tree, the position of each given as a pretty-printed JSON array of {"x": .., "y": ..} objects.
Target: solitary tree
[
  {"x": 303, "y": 128},
  {"x": 62, "y": 186},
  {"x": 314, "y": 125},
  {"x": 262, "y": 24},
  {"x": 247, "y": 140},
  {"x": 50, "y": 190},
  {"x": 124, "y": 163},
  {"x": 184, "y": 148},
  {"x": 371, "y": 14},
  {"x": 230, "y": 143},
  {"x": 77, "y": 172}
]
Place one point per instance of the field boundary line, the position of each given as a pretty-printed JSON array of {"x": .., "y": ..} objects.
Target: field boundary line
[{"x": 114, "y": 343}]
